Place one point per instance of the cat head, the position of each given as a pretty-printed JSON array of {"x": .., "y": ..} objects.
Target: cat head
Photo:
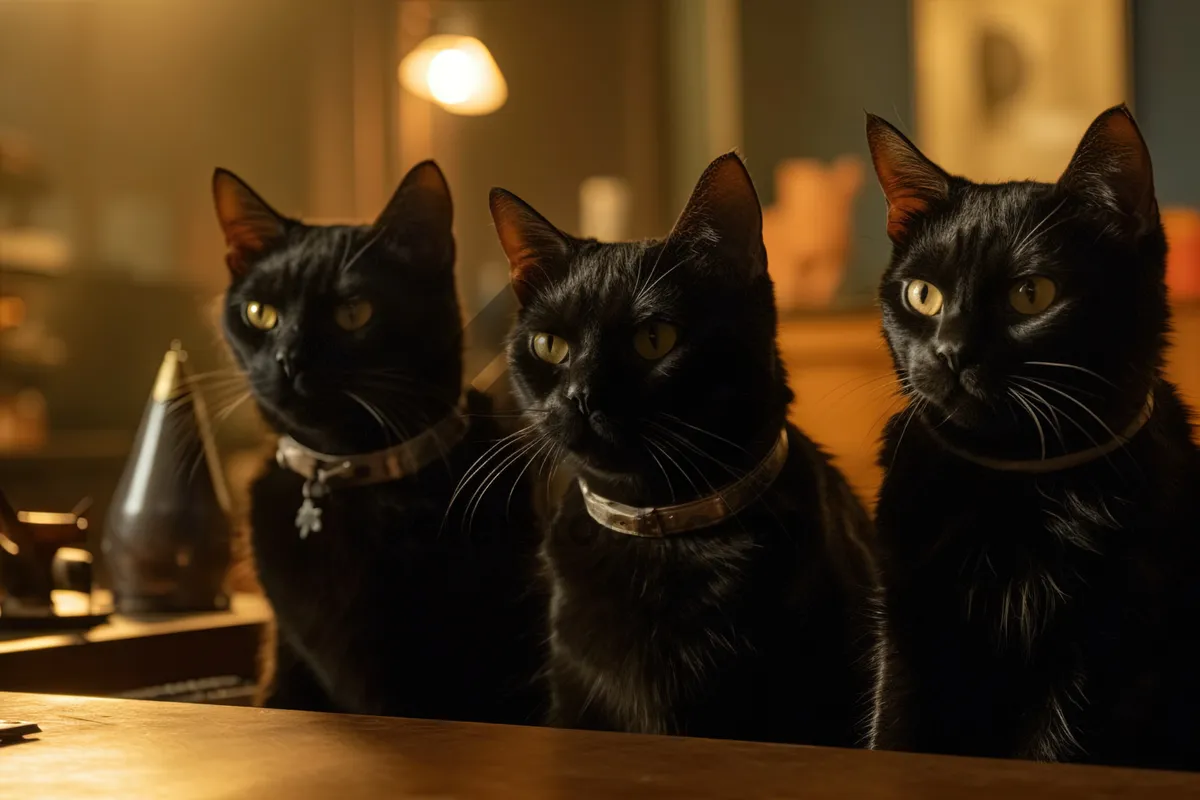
[
  {"x": 350, "y": 336},
  {"x": 1025, "y": 315},
  {"x": 649, "y": 362}
]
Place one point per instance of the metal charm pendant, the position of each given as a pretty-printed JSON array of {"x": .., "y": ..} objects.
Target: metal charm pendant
[{"x": 308, "y": 518}]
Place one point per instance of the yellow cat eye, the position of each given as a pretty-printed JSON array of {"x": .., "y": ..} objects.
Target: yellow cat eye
[
  {"x": 550, "y": 348},
  {"x": 923, "y": 297},
  {"x": 1032, "y": 295},
  {"x": 353, "y": 315},
  {"x": 261, "y": 315},
  {"x": 655, "y": 339}
]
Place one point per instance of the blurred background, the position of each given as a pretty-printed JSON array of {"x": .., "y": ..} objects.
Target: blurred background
[{"x": 601, "y": 113}]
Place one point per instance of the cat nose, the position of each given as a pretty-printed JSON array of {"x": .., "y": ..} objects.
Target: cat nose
[
  {"x": 951, "y": 355},
  {"x": 580, "y": 396}
]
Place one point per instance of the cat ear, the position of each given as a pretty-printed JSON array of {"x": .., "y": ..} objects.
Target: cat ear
[
  {"x": 724, "y": 211},
  {"x": 910, "y": 181},
  {"x": 534, "y": 247},
  {"x": 1111, "y": 167},
  {"x": 251, "y": 226},
  {"x": 421, "y": 211}
]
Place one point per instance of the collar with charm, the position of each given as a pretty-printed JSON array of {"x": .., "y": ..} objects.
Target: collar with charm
[
  {"x": 1058, "y": 463},
  {"x": 663, "y": 521},
  {"x": 323, "y": 472}
]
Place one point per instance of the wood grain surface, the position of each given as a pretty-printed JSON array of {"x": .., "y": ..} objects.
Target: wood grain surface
[{"x": 97, "y": 748}]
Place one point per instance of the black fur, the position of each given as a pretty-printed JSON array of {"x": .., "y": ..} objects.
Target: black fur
[
  {"x": 397, "y": 606},
  {"x": 750, "y": 629},
  {"x": 1047, "y": 616}
]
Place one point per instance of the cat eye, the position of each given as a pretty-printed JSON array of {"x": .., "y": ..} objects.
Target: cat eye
[
  {"x": 550, "y": 348},
  {"x": 261, "y": 315},
  {"x": 353, "y": 315},
  {"x": 923, "y": 297},
  {"x": 653, "y": 340},
  {"x": 1032, "y": 295}
]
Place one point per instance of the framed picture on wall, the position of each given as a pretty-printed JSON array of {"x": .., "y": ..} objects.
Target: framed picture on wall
[{"x": 1005, "y": 88}]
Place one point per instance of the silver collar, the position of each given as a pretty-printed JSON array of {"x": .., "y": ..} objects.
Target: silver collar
[
  {"x": 323, "y": 472},
  {"x": 1058, "y": 463},
  {"x": 661, "y": 521}
]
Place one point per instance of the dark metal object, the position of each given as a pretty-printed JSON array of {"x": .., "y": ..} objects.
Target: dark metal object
[
  {"x": 38, "y": 554},
  {"x": 167, "y": 538}
]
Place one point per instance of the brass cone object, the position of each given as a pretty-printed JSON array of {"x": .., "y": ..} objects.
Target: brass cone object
[{"x": 168, "y": 534}]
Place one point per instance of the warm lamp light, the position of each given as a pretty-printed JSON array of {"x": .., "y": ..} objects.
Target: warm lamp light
[{"x": 456, "y": 72}]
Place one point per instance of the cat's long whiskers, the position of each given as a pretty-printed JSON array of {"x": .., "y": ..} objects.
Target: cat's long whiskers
[
  {"x": 913, "y": 410},
  {"x": 650, "y": 450},
  {"x": 1077, "y": 402},
  {"x": 496, "y": 473},
  {"x": 1041, "y": 434},
  {"x": 1051, "y": 416},
  {"x": 374, "y": 414},
  {"x": 659, "y": 443},
  {"x": 1071, "y": 419},
  {"x": 697, "y": 429},
  {"x": 693, "y": 447},
  {"x": 1084, "y": 370},
  {"x": 498, "y": 447}
]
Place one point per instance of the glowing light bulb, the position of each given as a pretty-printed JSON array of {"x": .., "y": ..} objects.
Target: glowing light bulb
[
  {"x": 453, "y": 77},
  {"x": 456, "y": 72}
]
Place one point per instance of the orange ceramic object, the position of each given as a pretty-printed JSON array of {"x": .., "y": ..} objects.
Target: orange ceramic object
[{"x": 1183, "y": 256}]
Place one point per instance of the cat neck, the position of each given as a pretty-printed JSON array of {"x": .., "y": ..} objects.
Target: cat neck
[
  {"x": 684, "y": 473},
  {"x": 1048, "y": 462},
  {"x": 387, "y": 427}
]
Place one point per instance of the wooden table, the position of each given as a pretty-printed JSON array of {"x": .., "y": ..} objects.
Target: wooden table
[
  {"x": 136, "y": 750},
  {"x": 130, "y": 654}
]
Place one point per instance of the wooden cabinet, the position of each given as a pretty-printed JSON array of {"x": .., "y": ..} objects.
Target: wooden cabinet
[{"x": 845, "y": 387}]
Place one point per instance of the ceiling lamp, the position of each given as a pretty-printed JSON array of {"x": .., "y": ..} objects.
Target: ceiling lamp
[{"x": 456, "y": 72}]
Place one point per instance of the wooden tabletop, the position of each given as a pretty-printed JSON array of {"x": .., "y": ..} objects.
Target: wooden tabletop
[{"x": 130, "y": 749}]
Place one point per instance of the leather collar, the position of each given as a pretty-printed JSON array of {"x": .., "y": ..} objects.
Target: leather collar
[{"x": 662, "y": 521}]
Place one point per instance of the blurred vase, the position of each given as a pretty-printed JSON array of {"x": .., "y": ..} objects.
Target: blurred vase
[
  {"x": 807, "y": 232},
  {"x": 167, "y": 539},
  {"x": 1183, "y": 256}
]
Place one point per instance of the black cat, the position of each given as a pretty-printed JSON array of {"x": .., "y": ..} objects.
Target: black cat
[
  {"x": 1039, "y": 519},
  {"x": 653, "y": 368},
  {"x": 386, "y": 602}
]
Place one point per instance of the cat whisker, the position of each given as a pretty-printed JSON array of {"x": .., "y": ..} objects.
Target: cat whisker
[
  {"x": 661, "y": 449},
  {"x": 1041, "y": 434},
  {"x": 1035, "y": 400},
  {"x": 698, "y": 429},
  {"x": 498, "y": 447},
  {"x": 670, "y": 487},
  {"x": 1077, "y": 402},
  {"x": 1084, "y": 370},
  {"x": 913, "y": 409},
  {"x": 486, "y": 484}
]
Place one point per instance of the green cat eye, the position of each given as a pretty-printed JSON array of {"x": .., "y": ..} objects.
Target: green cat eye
[
  {"x": 261, "y": 315},
  {"x": 655, "y": 339},
  {"x": 550, "y": 348},
  {"x": 1032, "y": 295}
]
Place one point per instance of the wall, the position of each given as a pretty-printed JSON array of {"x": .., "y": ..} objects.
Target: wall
[
  {"x": 1166, "y": 71},
  {"x": 810, "y": 69}
]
